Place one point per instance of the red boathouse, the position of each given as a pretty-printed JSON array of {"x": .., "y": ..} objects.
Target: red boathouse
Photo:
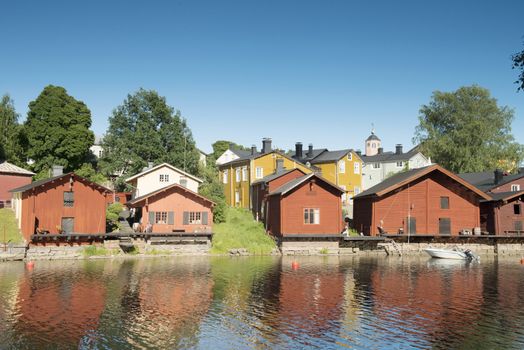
[
  {"x": 11, "y": 177},
  {"x": 429, "y": 200},
  {"x": 65, "y": 203}
]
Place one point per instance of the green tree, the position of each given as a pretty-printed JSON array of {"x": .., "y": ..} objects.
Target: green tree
[
  {"x": 221, "y": 146},
  {"x": 212, "y": 189},
  {"x": 57, "y": 129},
  {"x": 12, "y": 135},
  {"x": 145, "y": 129},
  {"x": 87, "y": 171},
  {"x": 466, "y": 131},
  {"x": 518, "y": 63}
]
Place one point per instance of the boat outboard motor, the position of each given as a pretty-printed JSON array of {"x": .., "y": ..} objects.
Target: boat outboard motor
[{"x": 470, "y": 255}]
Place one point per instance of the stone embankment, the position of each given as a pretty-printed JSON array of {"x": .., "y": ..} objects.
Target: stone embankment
[{"x": 393, "y": 249}]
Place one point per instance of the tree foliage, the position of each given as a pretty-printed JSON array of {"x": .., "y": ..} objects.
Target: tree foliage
[
  {"x": 145, "y": 129},
  {"x": 518, "y": 63},
  {"x": 57, "y": 129},
  {"x": 12, "y": 135},
  {"x": 87, "y": 171},
  {"x": 212, "y": 189},
  {"x": 221, "y": 146},
  {"x": 466, "y": 131}
]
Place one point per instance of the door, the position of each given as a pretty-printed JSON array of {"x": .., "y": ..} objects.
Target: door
[
  {"x": 411, "y": 225},
  {"x": 444, "y": 226},
  {"x": 68, "y": 225}
]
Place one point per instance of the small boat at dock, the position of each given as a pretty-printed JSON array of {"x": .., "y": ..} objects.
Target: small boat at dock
[{"x": 455, "y": 253}]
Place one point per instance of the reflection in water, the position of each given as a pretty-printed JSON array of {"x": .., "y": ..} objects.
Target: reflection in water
[{"x": 261, "y": 302}]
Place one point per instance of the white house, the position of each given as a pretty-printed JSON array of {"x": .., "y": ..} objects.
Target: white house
[
  {"x": 96, "y": 149},
  {"x": 379, "y": 165},
  {"x": 231, "y": 154},
  {"x": 202, "y": 157},
  {"x": 157, "y": 177}
]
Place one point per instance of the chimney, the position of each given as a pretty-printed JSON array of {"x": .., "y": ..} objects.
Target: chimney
[
  {"x": 253, "y": 150},
  {"x": 310, "y": 150},
  {"x": 149, "y": 165},
  {"x": 298, "y": 150},
  {"x": 380, "y": 150},
  {"x": 498, "y": 176},
  {"x": 280, "y": 165},
  {"x": 231, "y": 146},
  {"x": 266, "y": 145},
  {"x": 359, "y": 152},
  {"x": 57, "y": 170},
  {"x": 398, "y": 149}
]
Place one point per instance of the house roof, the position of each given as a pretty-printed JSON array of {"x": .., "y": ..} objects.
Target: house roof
[
  {"x": 137, "y": 200},
  {"x": 274, "y": 176},
  {"x": 9, "y": 168},
  {"x": 372, "y": 137},
  {"x": 505, "y": 196},
  {"x": 485, "y": 180},
  {"x": 147, "y": 171},
  {"x": 299, "y": 180},
  {"x": 305, "y": 157},
  {"x": 254, "y": 156},
  {"x": 386, "y": 157},
  {"x": 42, "y": 182},
  {"x": 403, "y": 178},
  {"x": 331, "y": 156}
]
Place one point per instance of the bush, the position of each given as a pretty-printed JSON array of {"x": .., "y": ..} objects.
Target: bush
[{"x": 112, "y": 214}]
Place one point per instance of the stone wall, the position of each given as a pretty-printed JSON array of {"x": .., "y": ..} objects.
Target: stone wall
[
  {"x": 53, "y": 252},
  {"x": 477, "y": 248},
  {"x": 12, "y": 252}
]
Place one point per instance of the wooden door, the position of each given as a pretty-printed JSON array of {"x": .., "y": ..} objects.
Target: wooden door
[
  {"x": 68, "y": 225},
  {"x": 411, "y": 225},
  {"x": 444, "y": 226}
]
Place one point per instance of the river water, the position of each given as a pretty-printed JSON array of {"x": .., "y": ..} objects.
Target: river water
[{"x": 263, "y": 302}]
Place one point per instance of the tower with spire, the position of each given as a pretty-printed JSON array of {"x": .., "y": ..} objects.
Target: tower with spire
[{"x": 373, "y": 143}]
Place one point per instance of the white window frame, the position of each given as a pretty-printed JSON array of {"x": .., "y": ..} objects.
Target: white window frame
[
  {"x": 311, "y": 214},
  {"x": 244, "y": 173},
  {"x": 161, "y": 217},
  {"x": 376, "y": 165},
  {"x": 400, "y": 164},
  {"x": 163, "y": 178},
  {"x": 356, "y": 168},
  {"x": 259, "y": 172},
  {"x": 237, "y": 197},
  {"x": 237, "y": 174},
  {"x": 515, "y": 188},
  {"x": 225, "y": 175},
  {"x": 350, "y": 156},
  {"x": 195, "y": 218},
  {"x": 342, "y": 166}
]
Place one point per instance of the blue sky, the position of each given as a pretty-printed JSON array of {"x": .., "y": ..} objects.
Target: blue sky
[{"x": 310, "y": 71}]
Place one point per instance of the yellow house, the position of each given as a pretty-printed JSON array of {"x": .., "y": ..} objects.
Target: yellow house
[{"x": 238, "y": 175}]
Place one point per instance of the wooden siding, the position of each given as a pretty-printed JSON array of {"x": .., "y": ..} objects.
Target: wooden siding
[
  {"x": 273, "y": 210},
  {"x": 500, "y": 217},
  {"x": 423, "y": 197},
  {"x": 507, "y": 187},
  {"x": 9, "y": 182},
  {"x": 309, "y": 194},
  {"x": 46, "y": 204},
  {"x": 178, "y": 201},
  {"x": 362, "y": 215}
]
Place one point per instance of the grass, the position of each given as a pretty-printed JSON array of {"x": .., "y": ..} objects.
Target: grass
[
  {"x": 240, "y": 230},
  {"x": 94, "y": 250},
  {"x": 323, "y": 251},
  {"x": 8, "y": 222}
]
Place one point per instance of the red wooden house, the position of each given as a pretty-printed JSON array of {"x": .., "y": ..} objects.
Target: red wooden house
[
  {"x": 119, "y": 197},
  {"x": 429, "y": 200},
  {"x": 173, "y": 208},
  {"x": 307, "y": 206},
  {"x": 11, "y": 177},
  {"x": 65, "y": 203}
]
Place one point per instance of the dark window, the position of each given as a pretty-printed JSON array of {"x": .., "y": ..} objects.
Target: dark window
[
  {"x": 68, "y": 225},
  {"x": 444, "y": 226},
  {"x": 69, "y": 199},
  {"x": 516, "y": 209},
  {"x": 518, "y": 226},
  {"x": 444, "y": 202}
]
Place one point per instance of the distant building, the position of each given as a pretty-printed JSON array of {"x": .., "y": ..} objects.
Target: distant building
[
  {"x": 379, "y": 165},
  {"x": 202, "y": 157},
  {"x": 231, "y": 154},
  {"x": 11, "y": 176},
  {"x": 156, "y": 177},
  {"x": 97, "y": 149}
]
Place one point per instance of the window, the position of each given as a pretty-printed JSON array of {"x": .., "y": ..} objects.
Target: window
[
  {"x": 311, "y": 216},
  {"x": 516, "y": 209},
  {"x": 350, "y": 156},
  {"x": 344, "y": 195},
  {"x": 376, "y": 165},
  {"x": 342, "y": 166},
  {"x": 244, "y": 173},
  {"x": 195, "y": 218},
  {"x": 259, "y": 173},
  {"x": 356, "y": 168},
  {"x": 224, "y": 176},
  {"x": 164, "y": 177},
  {"x": 444, "y": 202},
  {"x": 356, "y": 190},
  {"x": 69, "y": 199},
  {"x": 161, "y": 217},
  {"x": 237, "y": 197},
  {"x": 400, "y": 164},
  {"x": 373, "y": 145},
  {"x": 237, "y": 174},
  {"x": 515, "y": 188}
]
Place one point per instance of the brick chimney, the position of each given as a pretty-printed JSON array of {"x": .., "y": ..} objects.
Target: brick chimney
[
  {"x": 380, "y": 150},
  {"x": 253, "y": 150},
  {"x": 266, "y": 145},
  {"x": 57, "y": 170},
  {"x": 498, "y": 176},
  {"x": 298, "y": 150},
  {"x": 310, "y": 150},
  {"x": 398, "y": 149}
]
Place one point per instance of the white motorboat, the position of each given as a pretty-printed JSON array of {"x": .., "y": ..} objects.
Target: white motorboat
[{"x": 455, "y": 253}]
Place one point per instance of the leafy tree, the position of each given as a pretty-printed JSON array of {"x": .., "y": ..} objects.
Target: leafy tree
[
  {"x": 57, "y": 129},
  {"x": 87, "y": 171},
  {"x": 221, "y": 146},
  {"x": 212, "y": 189},
  {"x": 11, "y": 133},
  {"x": 145, "y": 129},
  {"x": 518, "y": 63},
  {"x": 466, "y": 131}
]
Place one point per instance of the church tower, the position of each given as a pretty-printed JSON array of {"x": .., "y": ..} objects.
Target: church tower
[{"x": 373, "y": 143}]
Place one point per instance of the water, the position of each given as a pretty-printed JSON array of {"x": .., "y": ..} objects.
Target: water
[{"x": 211, "y": 303}]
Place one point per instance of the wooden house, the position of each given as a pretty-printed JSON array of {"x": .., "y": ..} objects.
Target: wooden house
[
  {"x": 156, "y": 177},
  {"x": 11, "y": 176},
  {"x": 428, "y": 200},
  {"x": 173, "y": 208},
  {"x": 119, "y": 197},
  {"x": 307, "y": 206},
  {"x": 65, "y": 203}
]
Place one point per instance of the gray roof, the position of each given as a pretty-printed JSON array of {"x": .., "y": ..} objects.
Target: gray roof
[
  {"x": 503, "y": 195},
  {"x": 330, "y": 156},
  {"x": 241, "y": 152},
  {"x": 391, "y": 181},
  {"x": 307, "y": 158},
  {"x": 295, "y": 182},
  {"x": 9, "y": 168},
  {"x": 167, "y": 188},
  {"x": 275, "y": 176},
  {"x": 485, "y": 180},
  {"x": 386, "y": 157},
  {"x": 51, "y": 179},
  {"x": 246, "y": 155},
  {"x": 372, "y": 137}
]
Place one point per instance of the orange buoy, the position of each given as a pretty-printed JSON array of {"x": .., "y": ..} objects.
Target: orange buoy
[
  {"x": 29, "y": 265},
  {"x": 522, "y": 261},
  {"x": 295, "y": 265}
]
